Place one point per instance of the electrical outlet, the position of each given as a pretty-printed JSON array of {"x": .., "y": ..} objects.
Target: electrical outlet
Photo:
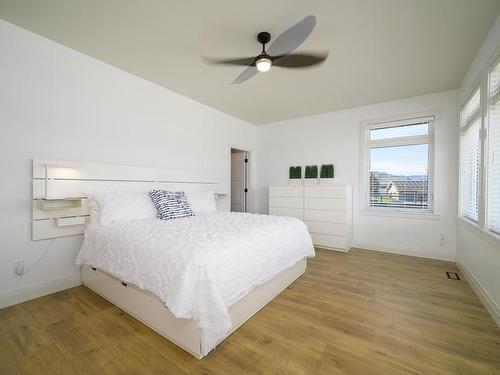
[
  {"x": 442, "y": 239},
  {"x": 19, "y": 267}
]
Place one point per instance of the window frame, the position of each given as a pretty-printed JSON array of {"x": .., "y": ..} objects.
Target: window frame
[
  {"x": 367, "y": 144},
  {"x": 485, "y": 166},
  {"x": 480, "y": 183},
  {"x": 481, "y": 227}
]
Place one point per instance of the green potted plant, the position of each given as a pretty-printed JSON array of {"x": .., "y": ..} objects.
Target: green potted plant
[
  {"x": 311, "y": 175},
  {"x": 295, "y": 175},
  {"x": 327, "y": 174}
]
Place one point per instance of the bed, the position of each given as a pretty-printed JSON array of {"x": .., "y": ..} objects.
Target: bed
[{"x": 195, "y": 280}]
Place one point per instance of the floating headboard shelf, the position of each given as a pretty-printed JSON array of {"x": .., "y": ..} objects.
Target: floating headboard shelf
[
  {"x": 60, "y": 190},
  {"x": 220, "y": 195},
  {"x": 59, "y": 203}
]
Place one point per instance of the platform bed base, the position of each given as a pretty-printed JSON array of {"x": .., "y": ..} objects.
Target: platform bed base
[{"x": 149, "y": 309}]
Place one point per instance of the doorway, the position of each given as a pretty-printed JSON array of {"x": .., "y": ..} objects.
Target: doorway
[{"x": 239, "y": 180}]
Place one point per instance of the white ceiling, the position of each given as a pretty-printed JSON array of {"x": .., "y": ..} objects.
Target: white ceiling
[{"x": 379, "y": 49}]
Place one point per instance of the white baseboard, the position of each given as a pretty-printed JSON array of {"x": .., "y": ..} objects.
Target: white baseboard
[
  {"x": 430, "y": 254},
  {"x": 19, "y": 295},
  {"x": 483, "y": 295}
]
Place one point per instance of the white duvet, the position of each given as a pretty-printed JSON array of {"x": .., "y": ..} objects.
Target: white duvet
[{"x": 201, "y": 265}]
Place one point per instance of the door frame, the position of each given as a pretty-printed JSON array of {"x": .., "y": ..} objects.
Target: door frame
[{"x": 249, "y": 176}]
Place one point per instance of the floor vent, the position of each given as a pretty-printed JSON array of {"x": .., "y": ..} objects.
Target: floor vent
[{"x": 452, "y": 275}]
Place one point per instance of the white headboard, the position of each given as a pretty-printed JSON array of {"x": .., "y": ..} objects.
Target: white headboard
[{"x": 60, "y": 188}]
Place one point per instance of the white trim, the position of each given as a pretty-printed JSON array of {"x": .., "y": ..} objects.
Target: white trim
[
  {"x": 15, "y": 296},
  {"x": 401, "y": 213},
  {"x": 488, "y": 302},
  {"x": 409, "y": 119},
  {"x": 407, "y": 250}
]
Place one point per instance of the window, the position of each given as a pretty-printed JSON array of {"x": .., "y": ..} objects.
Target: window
[
  {"x": 493, "y": 144},
  {"x": 399, "y": 165},
  {"x": 470, "y": 151}
]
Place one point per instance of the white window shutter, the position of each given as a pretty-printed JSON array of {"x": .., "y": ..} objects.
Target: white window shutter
[
  {"x": 470, "y": 156},
  {"x": 493, "y": 144},
  {"x": 469, "y": 171}
]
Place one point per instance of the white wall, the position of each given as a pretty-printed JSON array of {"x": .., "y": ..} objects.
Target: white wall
[
  {"x": 56, "y": 103},
  {"x": 477, "y": 252},
  {"x": 335, "y": 137}
]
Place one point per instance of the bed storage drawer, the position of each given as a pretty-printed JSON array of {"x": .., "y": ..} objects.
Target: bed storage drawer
[
  {"x": 125, "y": 296},
  {"x": 182, "y": 332},
  {"x": 145, "y": 307}
]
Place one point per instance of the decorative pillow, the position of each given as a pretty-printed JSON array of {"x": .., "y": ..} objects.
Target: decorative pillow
[
  {"x": 201, "y": 201},
  {"x": 170, "y": 204},
  {"x": 117, "y": 206}
]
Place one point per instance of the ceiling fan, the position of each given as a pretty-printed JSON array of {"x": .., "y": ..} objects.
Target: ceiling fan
[{"x": 279, "y": 53}]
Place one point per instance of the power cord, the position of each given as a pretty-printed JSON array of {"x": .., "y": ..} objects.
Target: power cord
[{"x": 25, "y": 271}]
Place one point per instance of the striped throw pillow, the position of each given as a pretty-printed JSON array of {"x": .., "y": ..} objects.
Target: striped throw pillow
[{"x": 170, "y": 204}]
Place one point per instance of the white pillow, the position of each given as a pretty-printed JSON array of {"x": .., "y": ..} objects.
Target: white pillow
[
  {"x": 94, "y": 210},
  {"x": 117, "y": 206},
  {"x": 201, "y": 201}
]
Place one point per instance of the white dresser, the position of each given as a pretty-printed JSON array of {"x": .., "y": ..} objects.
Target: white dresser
[{"x": 325, "y": 209}]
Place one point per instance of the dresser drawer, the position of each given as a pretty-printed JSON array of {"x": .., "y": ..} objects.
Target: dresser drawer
[
  {"x": 286, "y": 202},
  {"x": 291, "y": 212},
  {"x": 335, "y": 242},
  {"x": 330, "y": 204},
  {"x": 325, "y": 216},
  {"x": 325, "y": 192},
  {"x": 285, "y": 191},
  {"x": 326, "y": 228}
]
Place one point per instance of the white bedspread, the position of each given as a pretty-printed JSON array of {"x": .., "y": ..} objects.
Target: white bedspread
[{"x": 201, "y": 265}]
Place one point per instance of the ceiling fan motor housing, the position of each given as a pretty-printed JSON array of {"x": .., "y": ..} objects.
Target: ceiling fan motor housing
[{"x": 263, "y": 37}]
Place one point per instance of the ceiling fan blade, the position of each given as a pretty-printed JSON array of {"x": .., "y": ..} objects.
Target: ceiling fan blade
[
  {"x": 246, "y": 74},
  {"x": 237, "y": 61},
  {"x": 300, "y": 60},
  {"x": 292, "y": 37}
]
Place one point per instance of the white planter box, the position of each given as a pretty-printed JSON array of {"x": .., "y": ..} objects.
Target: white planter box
[
  {"x": 310, "y": 181},
  {"x": 327, "y": 181},
  {"x": 294, "y": 181}
]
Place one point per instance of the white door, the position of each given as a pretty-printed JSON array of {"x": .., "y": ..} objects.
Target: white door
[{"x": 238, "y": 181}]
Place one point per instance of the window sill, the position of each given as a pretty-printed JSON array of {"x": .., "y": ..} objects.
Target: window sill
[
  {"x": 492, "y": 238},
  {"x": 401, "y": 214},
  {"x": 469, "y": 223}
]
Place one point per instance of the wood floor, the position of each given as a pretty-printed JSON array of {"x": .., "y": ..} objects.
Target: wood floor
[{"x": 357, "y": 313}]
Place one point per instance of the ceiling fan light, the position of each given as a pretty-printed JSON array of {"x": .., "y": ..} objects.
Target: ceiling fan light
[{"x": 263, "y": 64}]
